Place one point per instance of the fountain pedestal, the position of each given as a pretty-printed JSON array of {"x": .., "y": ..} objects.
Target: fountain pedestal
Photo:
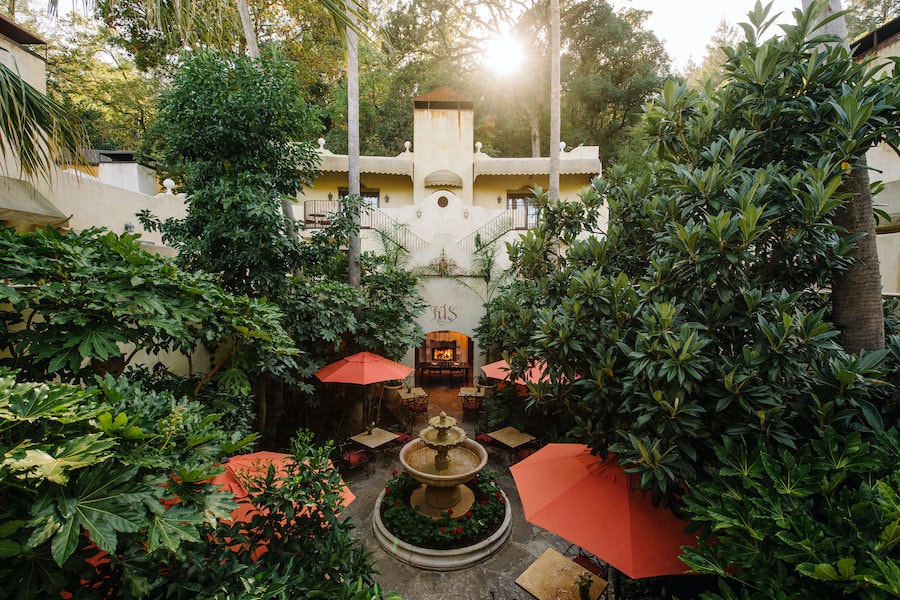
[{"x": 432, "y": 501}]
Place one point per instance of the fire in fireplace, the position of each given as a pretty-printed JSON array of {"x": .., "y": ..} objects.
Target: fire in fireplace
[{"x": 443, "y": 354}]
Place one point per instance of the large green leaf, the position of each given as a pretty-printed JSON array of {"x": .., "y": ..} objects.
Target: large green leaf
[
  {"x": 105, "y": 501},
  {"x": 55, "y": 463},
  {"x": 173, "y": 526}
]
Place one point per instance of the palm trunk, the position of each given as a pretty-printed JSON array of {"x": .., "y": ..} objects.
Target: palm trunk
[
  {"x": 856, "y": 302},
  {"x": 249, "y": 30},
  {"x": 553, "y": 192},
  {"x": 354, "y": 250}
]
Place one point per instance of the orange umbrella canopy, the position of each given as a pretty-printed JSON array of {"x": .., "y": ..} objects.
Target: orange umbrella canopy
[
  {"x": 590, "y": 502},
  {"x": 257, "y": 464},
  {"x": 363, "y": 368}
]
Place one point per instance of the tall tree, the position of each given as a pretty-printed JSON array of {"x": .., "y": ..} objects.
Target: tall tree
[
  {"x": 355, "y": 246},
  {"x": 867, "y": 15},
  {"x": 555, "y": 93}
]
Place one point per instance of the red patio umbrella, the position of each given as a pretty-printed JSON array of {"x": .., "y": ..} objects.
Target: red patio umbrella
[
  {"x": 363, "y": 368},
  {"x": 590, "y": 502},
  {"x": 256, "y": 464}
]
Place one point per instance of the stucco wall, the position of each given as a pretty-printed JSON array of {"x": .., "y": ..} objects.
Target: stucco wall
[
  {"x": 32, "y": 69},
  {"x": 95, "y": 204}
]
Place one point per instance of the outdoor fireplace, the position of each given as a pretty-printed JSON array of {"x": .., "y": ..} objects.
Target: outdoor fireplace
[{"x": 443, "y": 351}]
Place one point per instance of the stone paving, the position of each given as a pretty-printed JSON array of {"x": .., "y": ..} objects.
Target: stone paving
[{"x": 492, "y": 579}]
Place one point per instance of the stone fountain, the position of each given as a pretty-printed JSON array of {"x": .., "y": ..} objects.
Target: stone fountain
[{"x": 443, "y": 460}]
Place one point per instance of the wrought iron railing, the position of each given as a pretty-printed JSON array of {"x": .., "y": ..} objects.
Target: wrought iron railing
[
  {"x": 318, "y": 214},
  {"x": 496, "y": 228}
]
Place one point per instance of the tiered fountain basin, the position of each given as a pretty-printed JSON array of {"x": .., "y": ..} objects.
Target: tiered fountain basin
[{"x": 443, "y": 460}]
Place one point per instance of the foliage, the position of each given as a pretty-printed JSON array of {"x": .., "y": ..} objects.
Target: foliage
[
  {"x": 704, "y": 319},
  {"x": 867, "y": 15},
  {"x": 90, "y": 470},
  {"x": 236, "y": 131},
  {"x": 99, "y": 84},
  {"x": 36, "y": 130},
  {"x": 107, "y": 492},
  {"x": 75, "y": 304},
  {"x": 613, "y": 66},
  {"x": 818, "y": 520},
  {"x": 449, "y": 531}
]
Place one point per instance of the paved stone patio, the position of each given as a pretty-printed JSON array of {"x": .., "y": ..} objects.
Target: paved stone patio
[{"x": 492, "y": 579}]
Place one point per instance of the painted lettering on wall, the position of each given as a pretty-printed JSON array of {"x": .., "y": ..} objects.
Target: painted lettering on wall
[{"x": 443, "y": 313}]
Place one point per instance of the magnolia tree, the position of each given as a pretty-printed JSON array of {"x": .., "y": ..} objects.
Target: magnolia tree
[{"x": 696, "y": 339}]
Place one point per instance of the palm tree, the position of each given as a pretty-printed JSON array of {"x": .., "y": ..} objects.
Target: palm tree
[
  {"x": 36, "y": 131},
  {"x": 553, "y": 191}
]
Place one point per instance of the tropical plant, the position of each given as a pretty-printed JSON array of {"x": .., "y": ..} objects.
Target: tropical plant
[
  {"x": 87, "y": 473},
  {"x": 36, "y": 131},
  {"x": 88, "y": 303},
  {"x": 820, "y": 519}
]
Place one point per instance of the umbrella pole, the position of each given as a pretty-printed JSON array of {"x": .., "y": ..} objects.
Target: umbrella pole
[
  {"x": 613, "y": 580},
  {"x": 380, "y": 401}
]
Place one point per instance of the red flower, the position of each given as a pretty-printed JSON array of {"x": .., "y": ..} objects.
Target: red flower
[
  {"x": 484, "y": 501},
  {"x": 396, "y": 503},
  {"x": 443, "y": 530},
  {"x": 387, "y": 490},
  {"x": 394, "y": 474},
  {"x": 497, "y": 494},
  {"x": 459, "y": 530},
  {"x": 449, "y": 511},
  {"x": 453, "y": 532},
  {"x": 469, "y": 514}
]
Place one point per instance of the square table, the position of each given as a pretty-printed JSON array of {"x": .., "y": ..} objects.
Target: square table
[
  {"x": 554, "y": 577},
  {"x": 413, "y": 394},
  {"x": 511, "y": 437},
  {"x": 471, "y": 392},
  {"x": 375, "y": 440}
]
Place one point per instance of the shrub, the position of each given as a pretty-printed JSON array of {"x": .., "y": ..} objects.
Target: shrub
[{"x": 449, "y": 531}]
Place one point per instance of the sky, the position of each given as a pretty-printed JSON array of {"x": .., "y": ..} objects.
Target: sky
[{"x": 686, "y": 27}]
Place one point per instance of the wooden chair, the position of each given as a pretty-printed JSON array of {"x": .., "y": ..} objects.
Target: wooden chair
[{"x": 351, "y": 457}]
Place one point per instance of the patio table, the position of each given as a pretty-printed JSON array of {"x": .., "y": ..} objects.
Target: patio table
[
  {"x": 511, "y": 437},
  {"x": 375, "y": 440},
  {"x": 414, "y": 394},
  {"x": 554, "y": 577},
  {"x": 471, "y": 392}
]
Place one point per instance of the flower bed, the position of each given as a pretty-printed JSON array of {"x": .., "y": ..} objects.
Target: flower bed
[{"x": 483, "y": 519}]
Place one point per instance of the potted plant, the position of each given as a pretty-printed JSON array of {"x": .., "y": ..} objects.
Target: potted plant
[{"x": 584, "y": 583}]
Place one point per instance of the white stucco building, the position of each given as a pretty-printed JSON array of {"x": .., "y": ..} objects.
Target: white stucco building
[
  {"x": 883, "y": 44},
  {"x": 434, "y": 198}
]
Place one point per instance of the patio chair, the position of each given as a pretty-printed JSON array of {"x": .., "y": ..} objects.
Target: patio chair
[
  {"x": 526, "y": 450},
  {"x": 417, "y": 407},
  {"x": 481, "y": 435},
  {"x": 590, "y": 562},
  {"x": 471, "y": 405},
  {"x": 351, "y": 457}
]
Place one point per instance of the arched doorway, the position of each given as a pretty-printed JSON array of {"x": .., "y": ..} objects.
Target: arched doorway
[{"x": 445, "y": 358}]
